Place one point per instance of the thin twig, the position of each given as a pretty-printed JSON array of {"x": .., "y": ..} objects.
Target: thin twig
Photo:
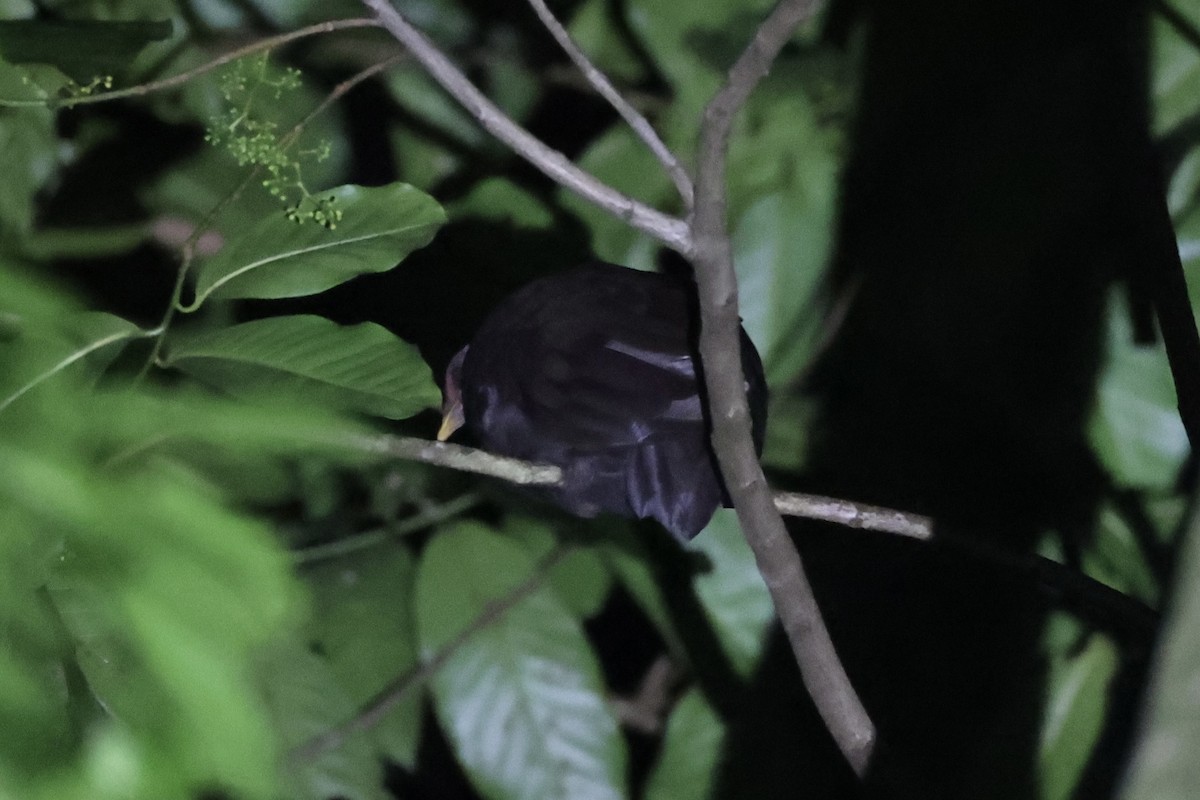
[
  {"x": 233, "y": 55},
  {"x": 777, "y": 558},
  {"x": 645, "y": 711},
  {"x": 424, "y": 518},
  {"x": 667, "y": 229},
  {"x": 854, "y": 515},
  {"x": 599, "y": 81},
  {"x": 464, "y": 459},
  {"x": 375, "y": 709}
]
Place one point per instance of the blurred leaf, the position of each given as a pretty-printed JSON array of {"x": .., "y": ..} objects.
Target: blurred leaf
[
  {"x": 1116, "y": 559},
  {"x": 83, "y": 49},
  {"x": 790, "y": 416},
  {"x": 29, "y": 86},
  {"x": 363, "y": 625},
  {"x": 627, "y": 561},
  {"x": 783, "y": 168},
  {"x": 581, "y": 579},
  {"x": 777, "y": 279},
  {"x": 1077, "y": 699},
  {"x": 1175, "y": 84},
  {"x": 522, "y": 699},
  {"x": 277, "y": 258},
  {"x": 306, "y": 700},
  {"x": 733, "y": 592},
  {"x": 420, "y": 95},
  {"x": 1135, "y": 428},
  {"x": 620, "y": 160},
  {"x": 28, "y": 158},
  {"x": 50, "y": 353},
  {"x": 592, "y": 29},
  {"x": 691, "y": 752},
  {"x": 139, "y": 423},
  {"x": 512, "y": 84},
  {"x": 178, "y": 585},
  {"x": 357, "y": 367},
  {"x": 693, "y": 63},
  {"x": 1164, "y": 765},
  {"x": 504, "y": 201}
]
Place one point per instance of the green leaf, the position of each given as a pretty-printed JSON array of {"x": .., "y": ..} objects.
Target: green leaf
[
  {"x": 522, "y": 699},
  {"x": 606, "y": 45},
  {"x": 29, "y": 87},
  {"x": 619, "y": 159},
  {"x": 364, "y": 627},
  {"x": 1077, "y": 699},
  {"x": 1116, "y": 558},
  {"x": 49, "y": 353},
  {"x": 306, "y": 700},
  {"x": 733, "y": 591},
  {"x": 627, "y": 561},
  {"x": 1135, "y": 426},
  {"x": 278, "y": 258},
  {"x": 29, "y": 157},
  {"x": 691, "y": 752},
  {"x": 504, "y": 201},
  {"x": 1164, "y": 766},
  {"x": 1176, "y": 72},
  {"x": 83, "y": 49},
  {"x": 358, "y": 367},
  {"x": 581, "y": 579}
]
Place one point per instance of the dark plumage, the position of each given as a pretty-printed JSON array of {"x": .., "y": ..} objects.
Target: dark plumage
[{"x": 593, "y": 369}]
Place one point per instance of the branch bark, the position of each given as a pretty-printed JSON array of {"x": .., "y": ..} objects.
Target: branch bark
[
  {"x": 637, "y": 123},
  {"x": 777, "y": 558},
  {"x": 667, "y": 229}
]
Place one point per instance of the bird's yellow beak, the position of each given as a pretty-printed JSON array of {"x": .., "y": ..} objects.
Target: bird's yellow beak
[{"x": 452, "y": 420}]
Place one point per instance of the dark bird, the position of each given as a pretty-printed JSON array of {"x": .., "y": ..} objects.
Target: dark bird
[{"x": 594, "y": 370}]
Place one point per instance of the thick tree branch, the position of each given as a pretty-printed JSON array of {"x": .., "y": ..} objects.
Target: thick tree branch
[
  {"x": 637, "y": 123},
  {"x": 778, "y": 560},
  {"x": 670, "y": 231}
]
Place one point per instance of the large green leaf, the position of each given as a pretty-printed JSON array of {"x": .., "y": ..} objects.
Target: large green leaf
[
  {"x": 83, "y": 49},
  {"x": 690, "y": 752},
  {"x": 306, "y": 700},
  {"x": 1135, "y": 427},
  {"x": 619, "y": 159},
  {"x": 47, "y": 352},
  {"x": 1176, "y": 71},
  {"x": 522, "y": 699},
  {"x": 581, "y": 579},
  {"x": 733, "y": 591},
  {"x": 1075, "y": 708},
  {"x": 363, "y": 626},
  {"x": 277, "y": 258},
  {"x": 29, "y": 156},
  {"x": 358, "y": 367}
]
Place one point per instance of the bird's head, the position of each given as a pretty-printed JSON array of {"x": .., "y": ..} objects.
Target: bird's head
[{"x": 453, "y": 415}]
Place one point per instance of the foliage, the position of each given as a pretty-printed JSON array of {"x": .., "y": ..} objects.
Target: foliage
[{"x": 177, "y": 462}]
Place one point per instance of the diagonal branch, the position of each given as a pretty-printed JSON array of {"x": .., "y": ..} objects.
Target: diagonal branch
[
  {"x": 233, "y": 55},
  {"x": 778, "y": 560},
  {"x": 667, "y": 229},
  {"x": 377, "y": 708},
  {"x": 600, "y": 82}
]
